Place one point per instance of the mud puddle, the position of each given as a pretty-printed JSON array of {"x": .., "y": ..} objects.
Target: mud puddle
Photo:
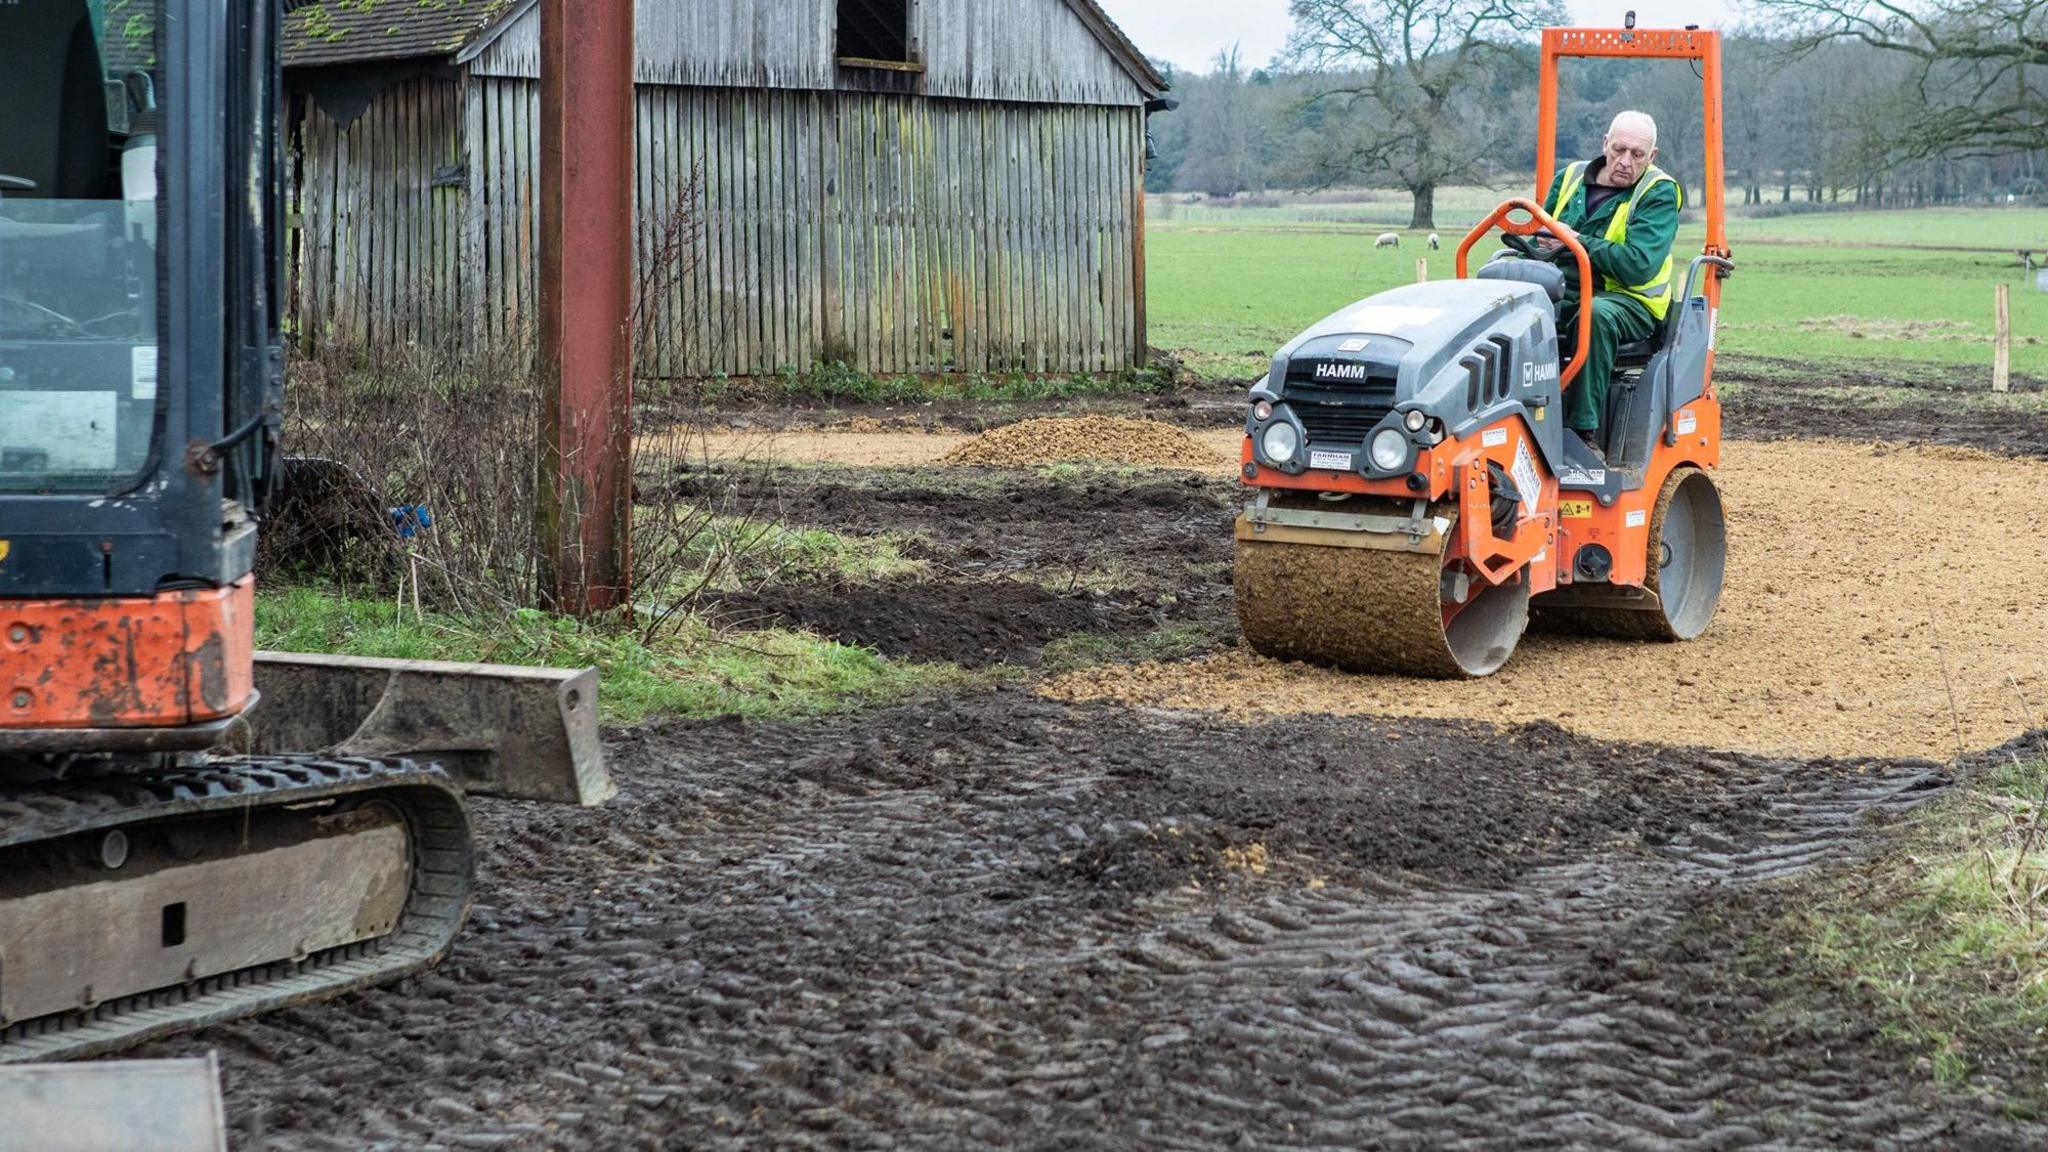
[{"x": 1000, "y": 922}]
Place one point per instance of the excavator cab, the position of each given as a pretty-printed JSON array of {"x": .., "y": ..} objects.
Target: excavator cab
[{"x": 139, "y": 360}]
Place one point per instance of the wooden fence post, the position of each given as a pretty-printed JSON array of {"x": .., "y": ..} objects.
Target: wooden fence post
[
  {"x": 1422, "y": 271},
  {"x": 2001, "y": 350}
]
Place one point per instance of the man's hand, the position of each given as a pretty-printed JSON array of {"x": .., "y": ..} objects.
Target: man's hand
[{"x": 1550, "y": 241}]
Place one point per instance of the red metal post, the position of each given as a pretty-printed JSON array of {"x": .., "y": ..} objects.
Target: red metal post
[{"x": 586, "y": 300}]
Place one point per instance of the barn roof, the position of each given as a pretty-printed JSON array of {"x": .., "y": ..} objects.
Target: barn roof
[
  {"x": 320, "y": 32},
  {"x": 323, "y": 32}
]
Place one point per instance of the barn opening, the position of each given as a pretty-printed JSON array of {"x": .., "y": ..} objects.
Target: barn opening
[{"x": 875, "y": 30}]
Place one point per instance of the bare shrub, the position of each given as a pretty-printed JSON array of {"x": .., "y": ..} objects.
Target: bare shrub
[
  {"x": 452, "y": 434},
  {"x": 394, "y": 430}
]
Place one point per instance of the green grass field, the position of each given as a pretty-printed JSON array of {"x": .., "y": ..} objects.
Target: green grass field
[{"x": 1229, "y": 285}]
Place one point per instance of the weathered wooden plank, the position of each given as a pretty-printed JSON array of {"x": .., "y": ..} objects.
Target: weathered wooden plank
[
  {"x": 474, "y": 222},
  {"x": 831, "y": 258},
  {"x": 1100, "y": 242},
  {"x": 867, "y": 263},
  {"x": 502, "y": 220},
  {"x": 809, "y": 230},
  {"x": 984, "y": 232},
  {"x": 1140, "y": 338}
]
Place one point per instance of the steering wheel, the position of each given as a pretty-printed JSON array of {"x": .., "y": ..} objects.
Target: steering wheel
[{"x": 1527, "y": 247}]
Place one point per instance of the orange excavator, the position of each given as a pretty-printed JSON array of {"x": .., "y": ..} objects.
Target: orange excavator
[
  {"x": 1416, "y": 499},
  {"x": 191, "y": 830}
]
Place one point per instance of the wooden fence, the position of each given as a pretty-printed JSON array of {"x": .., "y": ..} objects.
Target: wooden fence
[{"x": 899, "y": 234}]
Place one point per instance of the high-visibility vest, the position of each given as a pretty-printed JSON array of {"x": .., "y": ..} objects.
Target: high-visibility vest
[{"x": 1656, "y": 293}]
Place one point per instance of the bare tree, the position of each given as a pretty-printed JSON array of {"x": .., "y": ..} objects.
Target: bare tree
[
  {"x": 1227, "y": 120},
  {"x": 1413, "y": 80},
  {"x": 1977, "y": 65}
]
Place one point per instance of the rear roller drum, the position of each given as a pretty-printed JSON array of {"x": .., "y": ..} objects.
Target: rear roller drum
[
  {"x": 1687, "y": 560},
  {"x": 1369, "y": 610}
]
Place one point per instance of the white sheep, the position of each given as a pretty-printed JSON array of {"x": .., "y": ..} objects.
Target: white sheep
[
  {"x": 1388, "y": 240},
  {"x": 1435, "y": 242}
]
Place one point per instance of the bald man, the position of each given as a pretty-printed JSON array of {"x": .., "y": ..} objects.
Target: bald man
[{"x": 1624, "y": 210}]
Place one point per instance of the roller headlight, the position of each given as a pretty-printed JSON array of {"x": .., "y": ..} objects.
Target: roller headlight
[
  {"x": 1414, "y": 421},
  {"x": 1262, "y": 411},
  {"x": 1390, "y": 450},
  {"x": 1280, "y": 443}
]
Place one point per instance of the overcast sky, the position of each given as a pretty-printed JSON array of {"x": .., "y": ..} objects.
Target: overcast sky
[{"x": 1191, "y": 32}]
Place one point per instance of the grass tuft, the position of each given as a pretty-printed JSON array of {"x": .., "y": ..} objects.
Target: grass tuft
[
  {"x": 1089, "y": 649},
  {"x": 694, "y": 670},
  {"x": 1946, "y": 935}
]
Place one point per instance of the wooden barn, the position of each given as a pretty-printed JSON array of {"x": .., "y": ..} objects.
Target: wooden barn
[{"x": 906, "y": 186}]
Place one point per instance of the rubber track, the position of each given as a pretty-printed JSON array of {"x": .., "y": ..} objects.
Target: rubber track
[
  {"x": 1359, "y": 609},
  {"x": 442, "y": 880}
]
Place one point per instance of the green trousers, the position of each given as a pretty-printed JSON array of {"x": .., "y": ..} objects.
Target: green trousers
[{"x": 1617, "y": 320}]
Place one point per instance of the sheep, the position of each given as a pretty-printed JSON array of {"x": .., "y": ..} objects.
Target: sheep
[
  {"x": 1435, "y": 242},
  {"x": 1388, "y": 240}
]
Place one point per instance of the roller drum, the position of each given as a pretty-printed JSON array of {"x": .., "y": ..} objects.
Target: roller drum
[{"x": 1366, "y": 609}]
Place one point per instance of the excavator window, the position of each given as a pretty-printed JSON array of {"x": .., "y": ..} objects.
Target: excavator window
[{"x": 79, "y": 269}]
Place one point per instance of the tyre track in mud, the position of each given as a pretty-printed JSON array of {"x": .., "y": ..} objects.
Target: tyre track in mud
[{"x": 1000, "y": 922}]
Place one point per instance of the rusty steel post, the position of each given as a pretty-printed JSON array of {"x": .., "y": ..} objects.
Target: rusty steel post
[{"x": 584, "y": 496}]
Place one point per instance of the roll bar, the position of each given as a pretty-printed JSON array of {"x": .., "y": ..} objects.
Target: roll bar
[{"x": 1539, "y": 220}]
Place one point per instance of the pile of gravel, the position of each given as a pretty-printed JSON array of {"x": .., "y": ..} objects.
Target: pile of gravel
[{"x": 1108, "y": 439}]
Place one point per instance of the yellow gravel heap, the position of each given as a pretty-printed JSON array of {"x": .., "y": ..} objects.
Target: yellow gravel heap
[{"x": 1104, "y": 439}]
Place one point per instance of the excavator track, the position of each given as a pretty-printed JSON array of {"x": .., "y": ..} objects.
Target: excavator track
[
  {"x": 1370, "y": 609},
  {"x": 255, "y": 883}
]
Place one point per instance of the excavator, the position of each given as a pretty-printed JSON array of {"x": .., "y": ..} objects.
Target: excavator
[
  {"x": 1416, "y": 502},
  {"x": 191, "y": 830}
]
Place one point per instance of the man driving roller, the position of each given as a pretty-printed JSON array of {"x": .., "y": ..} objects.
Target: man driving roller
[{"x": 1624, "y": 210}]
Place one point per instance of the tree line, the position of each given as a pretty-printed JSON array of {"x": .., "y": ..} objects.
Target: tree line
[{"x": 1891, "y": 103}]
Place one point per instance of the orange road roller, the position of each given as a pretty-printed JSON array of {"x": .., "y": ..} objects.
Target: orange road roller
[{"x": 1416, "y": 500}]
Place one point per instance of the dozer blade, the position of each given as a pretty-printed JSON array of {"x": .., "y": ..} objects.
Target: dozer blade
[
  {"x": 519, "y": 733},
  {"x": 1341, "y": 600},
  {"x": 129, "y": 1105}
]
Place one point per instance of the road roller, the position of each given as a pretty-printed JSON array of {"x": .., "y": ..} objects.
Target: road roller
[{"x": 1416, "y": 503}]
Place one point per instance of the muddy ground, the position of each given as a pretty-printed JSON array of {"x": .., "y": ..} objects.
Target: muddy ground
[
  {"x": 1000, "y": 922},
  {"x": 997, "y": 920},
  {"x": 1019, "y": 560}
]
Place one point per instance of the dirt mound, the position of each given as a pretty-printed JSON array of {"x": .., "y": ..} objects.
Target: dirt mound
[{"x": 1107, "y": 439}]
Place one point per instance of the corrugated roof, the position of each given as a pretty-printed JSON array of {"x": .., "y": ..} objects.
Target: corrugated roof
[
  {"x": 356, "y": 31},
  {"x": 318, "y": 32}
]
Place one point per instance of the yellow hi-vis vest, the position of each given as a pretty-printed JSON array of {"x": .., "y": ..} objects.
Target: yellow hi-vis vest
[{"x": 1656, "y": 294}]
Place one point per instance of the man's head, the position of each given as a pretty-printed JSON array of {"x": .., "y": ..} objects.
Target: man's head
[{"x": 1630, "y": 148}]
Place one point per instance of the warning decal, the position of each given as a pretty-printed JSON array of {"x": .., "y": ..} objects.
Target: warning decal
[{"x": 1526, "y": 480}]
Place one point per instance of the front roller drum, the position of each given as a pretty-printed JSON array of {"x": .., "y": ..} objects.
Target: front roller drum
[{"x": 1367, "y": 609}]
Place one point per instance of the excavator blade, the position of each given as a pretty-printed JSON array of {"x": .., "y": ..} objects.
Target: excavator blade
[
  {"x": 518, "y": 733},
  {"x": 132, "y": 1105}
]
